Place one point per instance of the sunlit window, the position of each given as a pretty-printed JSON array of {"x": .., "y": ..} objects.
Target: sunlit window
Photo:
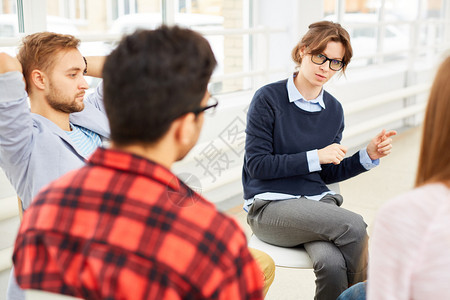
[
  {"x": 119, "y": 17},
  {"x": 390, "y": 30},
  {"x": 9, "y": 26},
  {"x": 231, "y": 50}
]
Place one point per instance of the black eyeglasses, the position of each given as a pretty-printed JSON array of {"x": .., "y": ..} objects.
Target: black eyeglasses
[
  {"x": 209, "y": 109},
  {"x": 320, "y": 59}
]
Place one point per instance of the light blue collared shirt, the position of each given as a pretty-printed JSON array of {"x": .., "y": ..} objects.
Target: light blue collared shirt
[{"x": 313, "y": 105}]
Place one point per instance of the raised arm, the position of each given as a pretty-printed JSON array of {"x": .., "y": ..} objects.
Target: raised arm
[
  {"x": 95, "y": 69},
  {"x": 9, "y": 64},
  {"x": 15, "y": 119},
  {"x": 95, "y": 65}
]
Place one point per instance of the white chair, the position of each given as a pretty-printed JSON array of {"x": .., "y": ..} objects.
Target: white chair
[
  {"x": 44, "y": 295},
  {"x": 294, "y": 257}
]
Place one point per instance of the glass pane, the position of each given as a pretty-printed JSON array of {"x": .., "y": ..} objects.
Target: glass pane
[
  {"x": 396, "y": 42},
  {"x": 356, "y": 11},
  {"x": 364, "y": 42},
  {"x": 231, "y": 51},
  {"x": 434, "y": 9},
  {"x": 360, "y": 20},
  {"x": 125, "y": 16},
  {"x": 99, "y": 17},
  {"x": 9, "y": 25},
  {"x": 94, "y": 17},
  {"x": 369, "y": 37},
  {"x": 401, "y": 10}
]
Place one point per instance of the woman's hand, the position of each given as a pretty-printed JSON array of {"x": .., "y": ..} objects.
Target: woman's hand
[
  {"x": 381, "y": 145},
  {"x": 332, "y": 154}
]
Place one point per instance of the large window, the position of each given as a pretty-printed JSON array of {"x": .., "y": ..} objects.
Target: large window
[
  {"x": 389, "y": 30},
  {"x": 220, "y": 21},
  {"x": 8, "y": 18},
  {"x": 8, "y": 7},
  {"x": 212, "y": 17},
  {"x": 9, "y": 26}
]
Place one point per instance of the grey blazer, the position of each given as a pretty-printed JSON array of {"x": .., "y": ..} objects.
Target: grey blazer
[{"x": 33, "y": 150}]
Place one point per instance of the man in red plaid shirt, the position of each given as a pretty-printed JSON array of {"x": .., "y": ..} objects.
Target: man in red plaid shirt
[{"x": 124, "y": 226}]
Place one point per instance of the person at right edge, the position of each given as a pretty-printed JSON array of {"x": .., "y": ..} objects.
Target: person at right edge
[
  {"x": 409, "y": 249},
  {"x": 293, "y": 150}
]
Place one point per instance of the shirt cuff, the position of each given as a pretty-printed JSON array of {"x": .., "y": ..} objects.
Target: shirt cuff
[
  {"x": 12, "y": 86},
  {"x": 313, "y": 161},
  {"x": 365, "y": 160}
]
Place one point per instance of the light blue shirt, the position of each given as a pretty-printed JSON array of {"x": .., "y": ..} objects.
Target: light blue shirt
[
  {"x": 313, "y": 105},
  {"x": 85, "y": 140}
]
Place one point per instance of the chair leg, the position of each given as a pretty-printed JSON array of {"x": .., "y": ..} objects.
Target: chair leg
[{"x": 20, "y": 208}]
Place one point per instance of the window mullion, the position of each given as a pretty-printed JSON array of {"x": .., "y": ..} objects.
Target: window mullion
[
  {"x": 34, "y": 17},
  {"x": 168, "y": 12}
]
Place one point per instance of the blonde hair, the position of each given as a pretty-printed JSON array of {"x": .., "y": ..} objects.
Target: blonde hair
[
  {"x": 316, "y": 39},
  {"x": 38, "y": 51},
  {"x": 434, "y": 158}
]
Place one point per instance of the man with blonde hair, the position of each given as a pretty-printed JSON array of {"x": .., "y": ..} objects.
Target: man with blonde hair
[{"x": 60, "y": 127}]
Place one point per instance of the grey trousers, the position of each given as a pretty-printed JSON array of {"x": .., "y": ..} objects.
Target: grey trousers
[{"x": 335, "y": 238}]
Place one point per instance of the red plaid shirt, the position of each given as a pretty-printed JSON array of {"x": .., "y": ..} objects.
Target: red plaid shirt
[{"x": 123, "y": 227}]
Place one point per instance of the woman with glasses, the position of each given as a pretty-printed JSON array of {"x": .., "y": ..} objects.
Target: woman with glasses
[{"x": 294, "y": 129}]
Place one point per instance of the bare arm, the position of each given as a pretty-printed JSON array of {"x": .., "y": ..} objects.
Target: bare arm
[
  {"x": 95, "y": 65},
  {"x": 9, "y": 64}
]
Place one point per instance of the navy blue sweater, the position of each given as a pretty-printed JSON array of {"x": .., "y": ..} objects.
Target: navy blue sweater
[{"x": 279, "y": 134}]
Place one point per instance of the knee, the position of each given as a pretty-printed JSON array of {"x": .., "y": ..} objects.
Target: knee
[
  {"x": 331, "y": 266},
  {"x": 355, "y": 292},
  {"x": 356, "y": 228}
]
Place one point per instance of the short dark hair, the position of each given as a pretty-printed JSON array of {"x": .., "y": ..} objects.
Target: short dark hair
[
  {"x": 152, "y": 78},
  {"x": 316, "y": 39}
]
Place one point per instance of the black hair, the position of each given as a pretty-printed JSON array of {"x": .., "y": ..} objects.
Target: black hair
[{"x": 152, "y": 78}]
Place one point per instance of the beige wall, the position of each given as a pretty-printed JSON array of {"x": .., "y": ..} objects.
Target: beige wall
[
  {"x": 53, "y": 7},
  {"x": 350, "y": 6},
  {"x": 210, "y": 7},
  {"x": 96, "y": 14},
  {"x": 434, "y": 4},
  {"x": 356, "y": 6},
  {"x": 6, "y": 6},
  {"x": 233, "y": 44},
  {"x": 146, "y": 6}
]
